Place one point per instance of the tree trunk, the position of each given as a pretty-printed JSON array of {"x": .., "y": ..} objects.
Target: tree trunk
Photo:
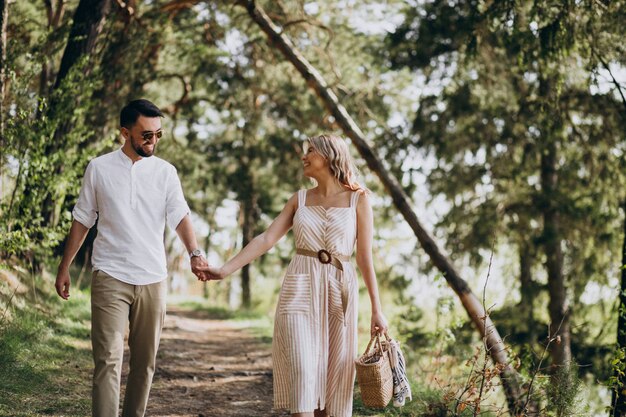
[
  {"x": 88, "y": 22},
  {"x": 474, "y": 308},
  {"x": 210, "y": 219},
  {"x": 560, "y": 350},
  {"x": 619, "y": 390},
  {"x": 207, "y": 248},
  {"x": 248, "y": 229},
  {"x": 618, "y": 399},
  {"x": 4, "y": 17},
  {"x": 527, "y": 291},
  {"x": 55, "y": 16}
]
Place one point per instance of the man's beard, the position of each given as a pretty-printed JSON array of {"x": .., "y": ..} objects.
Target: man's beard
[{"x": 140, "y": 151}]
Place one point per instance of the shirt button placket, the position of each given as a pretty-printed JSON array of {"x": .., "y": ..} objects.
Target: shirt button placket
[{"x": 133, "y": 187}]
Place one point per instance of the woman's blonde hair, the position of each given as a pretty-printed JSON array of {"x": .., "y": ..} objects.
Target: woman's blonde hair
[{"x": 341, "y": 164}]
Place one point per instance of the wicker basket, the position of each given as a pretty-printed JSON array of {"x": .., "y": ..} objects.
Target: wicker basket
[{"x": 373, "y": 374}]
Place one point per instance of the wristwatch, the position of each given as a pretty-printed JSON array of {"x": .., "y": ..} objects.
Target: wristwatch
[{"x": 196, "y": 252}]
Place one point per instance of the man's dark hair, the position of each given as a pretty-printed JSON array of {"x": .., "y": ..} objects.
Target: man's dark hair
[{"x": 131, "y": 112}]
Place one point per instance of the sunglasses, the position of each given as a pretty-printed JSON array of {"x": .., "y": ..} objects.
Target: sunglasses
[{"x": 149, "y": 135}]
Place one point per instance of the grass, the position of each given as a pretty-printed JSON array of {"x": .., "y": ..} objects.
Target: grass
[
  {"x": 45, "y": 360},
  {"x": 258, "y": 323},
  {"x": 426, "y": 402},
  {"x": 421, "y": 405},
  {"x": 218, "y": 313}
]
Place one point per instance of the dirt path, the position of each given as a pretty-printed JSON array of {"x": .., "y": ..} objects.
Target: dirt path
[{"x": 211, "y": 368}]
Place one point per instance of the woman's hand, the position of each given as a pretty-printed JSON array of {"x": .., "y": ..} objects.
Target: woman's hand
[
  {"x": 379, "y": 324},
  {"x": 213, "y": 273}
]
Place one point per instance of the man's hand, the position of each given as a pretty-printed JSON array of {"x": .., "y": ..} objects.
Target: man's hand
[
  {"x": 198, "y": 262},
  {"x": 62, "y": 283},
  {"x": 77, "y": 235}
]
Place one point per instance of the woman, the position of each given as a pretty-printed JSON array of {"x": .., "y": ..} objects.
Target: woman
[{"x": 314, "y": 345}]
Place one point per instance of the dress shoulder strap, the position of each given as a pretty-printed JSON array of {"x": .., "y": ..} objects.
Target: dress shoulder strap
[
  {"x": 301, "y": 198},
  {"x": 354, "y": 198}
]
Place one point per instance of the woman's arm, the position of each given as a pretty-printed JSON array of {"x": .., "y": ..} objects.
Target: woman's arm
[
  {"x": 260, "y": 244},
  {"x": 364, "y": 237}
]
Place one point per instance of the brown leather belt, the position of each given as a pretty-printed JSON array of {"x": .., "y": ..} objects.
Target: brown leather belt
[{"x": 325, "y": 257}]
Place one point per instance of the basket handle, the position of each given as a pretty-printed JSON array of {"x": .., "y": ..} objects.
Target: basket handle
[
  {"x": 376, "y": 337},
  {"x": 369, "y": 345}
]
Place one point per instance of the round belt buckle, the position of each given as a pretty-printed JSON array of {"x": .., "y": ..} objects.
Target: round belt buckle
[{"x": 324, "y": 256}]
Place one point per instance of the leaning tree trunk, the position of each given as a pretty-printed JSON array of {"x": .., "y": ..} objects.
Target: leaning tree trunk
[
  {"x": 618, "y": 400},
  {"x": 474, "y": 308}
]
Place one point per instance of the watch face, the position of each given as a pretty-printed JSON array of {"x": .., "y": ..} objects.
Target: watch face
[{"x": 196, "y": 252}]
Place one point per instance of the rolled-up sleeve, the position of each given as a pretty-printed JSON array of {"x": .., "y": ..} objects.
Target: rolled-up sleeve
[
  {"x": 86, "y": 209},
  {"x": 176, "y": 206}
]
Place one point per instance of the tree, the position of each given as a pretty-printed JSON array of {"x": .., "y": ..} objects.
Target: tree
[
  {"x": 618, "y": 398},
  {"x": 87, "y": 25},
  {"x": 247, "y": 152},
  {"x": 518, "y": 130}
]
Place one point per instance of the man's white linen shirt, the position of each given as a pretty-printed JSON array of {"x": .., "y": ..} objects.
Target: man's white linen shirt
[{"x": 132, "y": 202}]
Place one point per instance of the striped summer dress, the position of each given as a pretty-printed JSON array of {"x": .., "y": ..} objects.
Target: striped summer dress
[{"x": 315, "y": 340}]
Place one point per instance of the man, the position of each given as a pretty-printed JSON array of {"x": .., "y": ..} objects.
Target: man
[{"x": 133, "y": 194}]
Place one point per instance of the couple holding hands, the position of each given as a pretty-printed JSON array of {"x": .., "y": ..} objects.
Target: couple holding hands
[{"x": 133, "y": 194}]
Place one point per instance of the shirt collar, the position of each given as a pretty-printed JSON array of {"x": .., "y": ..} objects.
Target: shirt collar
[{"x": 126, "y": 159}]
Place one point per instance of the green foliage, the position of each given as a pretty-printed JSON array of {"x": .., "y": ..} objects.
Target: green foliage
[
  {"x": 563, "y": 392},
  {"x": 48, "y": 140},
  {"x": 511, "y": 82},
  {"x": 618, "y": 367},
  {"x": 409, "y": 325},
  {"x": 46, "y": 177}
]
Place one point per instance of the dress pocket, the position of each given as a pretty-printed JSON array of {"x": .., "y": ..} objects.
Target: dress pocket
[
  {"x": 335, "y": 304},
  {"x": 295, "y": 294}
]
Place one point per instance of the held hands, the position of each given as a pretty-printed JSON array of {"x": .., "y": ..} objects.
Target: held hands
[
  {"x": 378, "y": 324},
  {"x": 213, "y": 273},
  {"x": 201, "y": 269},
  {"x": 197, "y": 263}
]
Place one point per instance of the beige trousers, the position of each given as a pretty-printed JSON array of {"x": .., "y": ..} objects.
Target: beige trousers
[{"x": 115, "y": 304}]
